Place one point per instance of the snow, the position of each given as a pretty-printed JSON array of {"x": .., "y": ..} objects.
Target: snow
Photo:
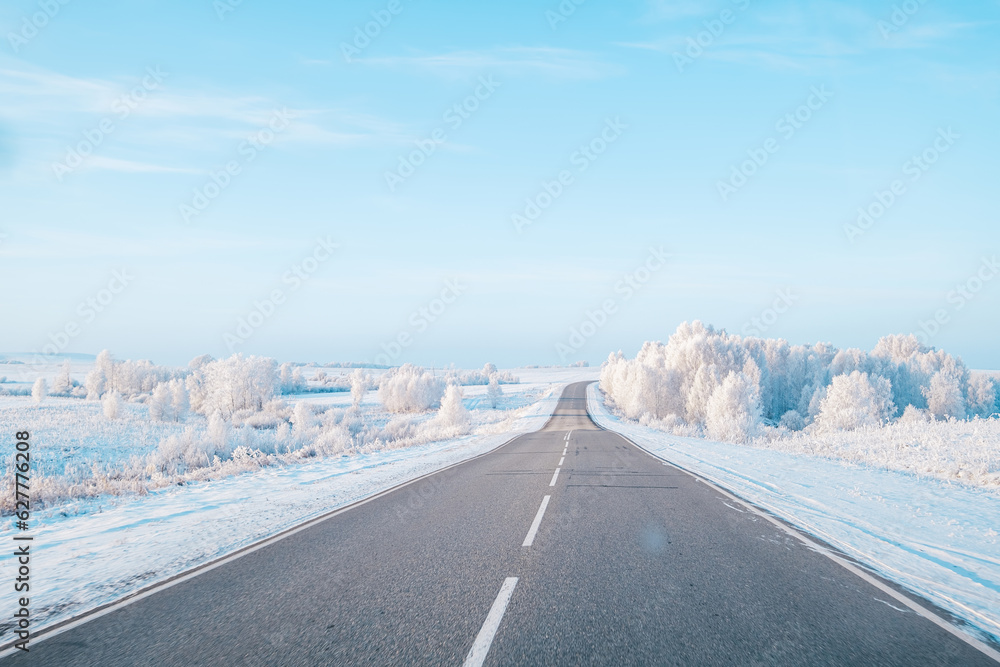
[
  {"x": 937, "y": 539},
  {"x": 95, "y": 550}
]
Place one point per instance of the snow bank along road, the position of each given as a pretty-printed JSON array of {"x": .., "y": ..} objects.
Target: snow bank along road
[{"x": 566, "y": 546}]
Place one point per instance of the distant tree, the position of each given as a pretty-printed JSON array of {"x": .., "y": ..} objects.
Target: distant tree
[
  {"x": 63, "y": 384},
  {"x": 159, "y": 405},
  {"x": 180, "y": 400},
  {"x": 494, "y": 392},
  {"x": 39, "y": 390},
  {"x": 112, "y": 404},
  {"x": 453, "y": 412},
  {"x": 410, "y": 389},
  {"x": 360, "y": 382}
]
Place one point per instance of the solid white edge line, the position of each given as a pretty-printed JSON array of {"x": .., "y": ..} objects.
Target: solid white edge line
[
  {"x": 850, "y": 567},
  {"x": 555, "y": 476},
  {"x": 481, "y": 647},
  {"x": 530, "y": 537},
  {"x": 198, "y": 570}
]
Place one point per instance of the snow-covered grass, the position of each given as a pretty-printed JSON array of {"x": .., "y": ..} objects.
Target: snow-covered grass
[
  {"x": 956, "y": 450},
  {"x": 101, "y": 546},
  {"x": 936, "y": 538}
]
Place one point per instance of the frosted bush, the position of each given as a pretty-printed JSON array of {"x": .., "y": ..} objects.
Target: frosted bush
[
  {"x": 39, "y": 391},
  {"x": 360, "y": 382},
  {"x": 111, "y": 404},
  {"x": 453, "y": 413},
  {"x": 912, "y": 415},
  {"x": 494, "y": 392},
  {"x": 792, "y": 421},
  {"x": 63, "y": 385}
]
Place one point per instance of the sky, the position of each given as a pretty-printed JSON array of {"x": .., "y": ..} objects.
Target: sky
[{"x": 520, "y": 182}]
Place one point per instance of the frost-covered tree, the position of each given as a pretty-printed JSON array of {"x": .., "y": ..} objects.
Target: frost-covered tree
[
  {"x": 453, "y": 413},
  {"x": 200, "y": 362},
  {"x": 982, "y": 396},
  {"x": 944, "y": 396},
  {"x": 291, "y": 379},
  {"x": 360, "y": 382},
  {"x": 303, "y": 419},
  {"x": 235, "y": 384},
  {"x": 159, "y": 404},
  {"x": 494, "y": 392},
  {"x": 96, "y": 383},
  {"x": 218, "y": 431},
  {"x": 111, "y": 403},
  {"x": 675, "y": 382},
  {"x": 733, "y": 413},
  {"x": 63, "y": 384},
  {"x": 39, "y": 390},
  {"x": 854, "y": 401},
  {"x": 410, "y": 389},
  {"x": 180, "y": 401}
]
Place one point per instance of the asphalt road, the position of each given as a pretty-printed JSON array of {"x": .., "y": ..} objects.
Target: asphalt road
[{"x": 632, "y": 562}]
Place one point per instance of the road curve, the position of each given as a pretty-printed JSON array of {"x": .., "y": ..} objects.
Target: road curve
[{"x": 615, "y": 559}]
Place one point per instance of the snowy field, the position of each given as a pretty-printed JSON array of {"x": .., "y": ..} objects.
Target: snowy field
[
  {"x": 937, "y": 538},
  {"x": 136, "y": 498}
]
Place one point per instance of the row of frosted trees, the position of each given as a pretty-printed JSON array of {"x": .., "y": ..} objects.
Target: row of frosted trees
[
  {"x": 729, "y": 387},
  {"x": 245, "y": 385}
]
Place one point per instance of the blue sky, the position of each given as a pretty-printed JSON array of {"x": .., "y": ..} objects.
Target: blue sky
[{"x": 685, "y": 117}]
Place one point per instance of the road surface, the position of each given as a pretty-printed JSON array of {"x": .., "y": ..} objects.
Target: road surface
[{"x": 616, "y": 559}]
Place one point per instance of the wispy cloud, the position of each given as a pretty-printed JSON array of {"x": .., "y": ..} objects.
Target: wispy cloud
[
  {"x": 669, "y": 10},
  {"x": 50, "y": 112},
  {"x": 519, "y": 60},
  {"x": 798, "y": 37},
  {"x": 130, "y": 166}
]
